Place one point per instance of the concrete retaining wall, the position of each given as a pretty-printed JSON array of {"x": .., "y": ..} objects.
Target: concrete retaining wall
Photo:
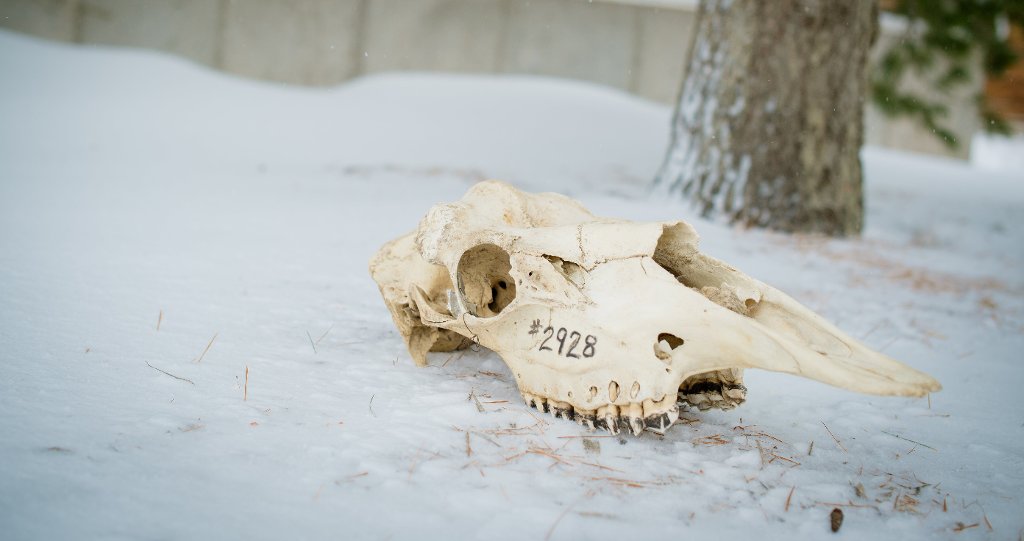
[{"x": 639, "y": 46}]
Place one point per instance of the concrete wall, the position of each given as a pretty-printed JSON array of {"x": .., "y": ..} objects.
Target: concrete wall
[
  {"x": 638, "y": 46},
  {"x": 441, "y": 35},
  {"x": 50, "y": 19},
  {"x": 187, "y": 28},
  {"x": 310, "y": 42}
]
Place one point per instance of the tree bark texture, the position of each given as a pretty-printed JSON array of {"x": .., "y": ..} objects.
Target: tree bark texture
[{"x": 769, "y": 123}]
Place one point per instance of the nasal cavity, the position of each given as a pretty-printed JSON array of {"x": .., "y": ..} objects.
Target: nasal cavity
[
  {"x": 665, "y": 344},
  {"x": 673, "y": 340}
]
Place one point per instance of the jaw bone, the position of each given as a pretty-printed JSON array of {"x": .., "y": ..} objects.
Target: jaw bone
[{"x": 613, "y": 323}]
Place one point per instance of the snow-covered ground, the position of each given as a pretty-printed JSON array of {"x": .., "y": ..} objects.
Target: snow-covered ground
[
  {"x": 998, "y": 152},
  {"x": 157, "y": 218}
]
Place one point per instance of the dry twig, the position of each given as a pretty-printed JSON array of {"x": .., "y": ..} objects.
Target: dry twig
[
  {"x": 910, "y": 440},
  {"x": 208, "y": 345},
  {"x": 849, "y": 503},
  {"x": 714, "y": 439},
  {"x": 551, "y": 530},
  {"x": 479, "y": 406},
  {"x": 311, "y": 342},
  {"x": 322, "y": 336},
  {"x": 780, "y": 457},
  {"x": 960, "y": 526},
  {"x": 600, "y": 467},
  {"x": 839, "y": 443},
  {"x": 169, "y": 374}
]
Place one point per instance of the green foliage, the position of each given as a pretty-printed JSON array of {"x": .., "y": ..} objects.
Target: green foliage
[{"x": 942, "y": 39}]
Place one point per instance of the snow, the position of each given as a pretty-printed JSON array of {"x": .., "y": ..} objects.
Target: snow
[
  {"x": 138, "y": 191},
  {"x": 998, "y": 152}
]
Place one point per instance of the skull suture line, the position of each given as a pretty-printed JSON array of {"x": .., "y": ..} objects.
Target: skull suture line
[{"x": 611, "y": 322}]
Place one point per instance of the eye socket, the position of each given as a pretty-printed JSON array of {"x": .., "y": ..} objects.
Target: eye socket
[
  {"x": 676, "y": 251},
  {"x": 484, "y": 280}
]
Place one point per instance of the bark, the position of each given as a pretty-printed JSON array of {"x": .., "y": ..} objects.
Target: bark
[{"x": 769, "y": 124}]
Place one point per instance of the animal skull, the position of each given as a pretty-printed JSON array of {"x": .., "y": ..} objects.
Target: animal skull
[{"x": 607, "y": 321}]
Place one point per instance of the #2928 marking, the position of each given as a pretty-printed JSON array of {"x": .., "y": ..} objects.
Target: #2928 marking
[{"x": 568, "y": 341}]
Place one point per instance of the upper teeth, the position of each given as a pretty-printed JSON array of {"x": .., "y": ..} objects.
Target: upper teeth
[{"x": 656, "y": 416}]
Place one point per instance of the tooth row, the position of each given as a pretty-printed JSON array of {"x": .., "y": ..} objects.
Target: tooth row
[
  {"x": 635, "y": 417},
  {"x": 725, "y": 398}
]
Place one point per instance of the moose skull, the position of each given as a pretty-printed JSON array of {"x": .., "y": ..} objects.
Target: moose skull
[{"x": 610, "y": 322}]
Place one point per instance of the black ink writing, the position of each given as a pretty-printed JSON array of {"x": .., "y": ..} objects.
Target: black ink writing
[{"x": 568, "y": 341}]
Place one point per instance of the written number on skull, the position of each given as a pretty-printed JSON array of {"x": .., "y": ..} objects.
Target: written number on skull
[{"x": 568, "y": 341}]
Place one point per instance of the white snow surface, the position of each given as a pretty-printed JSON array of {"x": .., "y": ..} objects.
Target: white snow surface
[
  {"x": 139, "y": 191},
  {"x": 998, "y": 152}
]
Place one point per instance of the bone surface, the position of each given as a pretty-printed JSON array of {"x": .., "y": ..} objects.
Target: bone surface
[{"x": 613, "y": 323}]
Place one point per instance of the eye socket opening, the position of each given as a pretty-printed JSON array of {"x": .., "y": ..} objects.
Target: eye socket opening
[
  {"x": 677, "y": 253},
  {"x": 484, "y": 280}
]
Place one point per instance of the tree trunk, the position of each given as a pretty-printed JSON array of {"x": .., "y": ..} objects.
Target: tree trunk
[{"x": 769, "y": 123}]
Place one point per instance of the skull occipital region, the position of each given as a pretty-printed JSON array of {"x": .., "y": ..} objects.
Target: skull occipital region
[{"x": 615, "y": 324}]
